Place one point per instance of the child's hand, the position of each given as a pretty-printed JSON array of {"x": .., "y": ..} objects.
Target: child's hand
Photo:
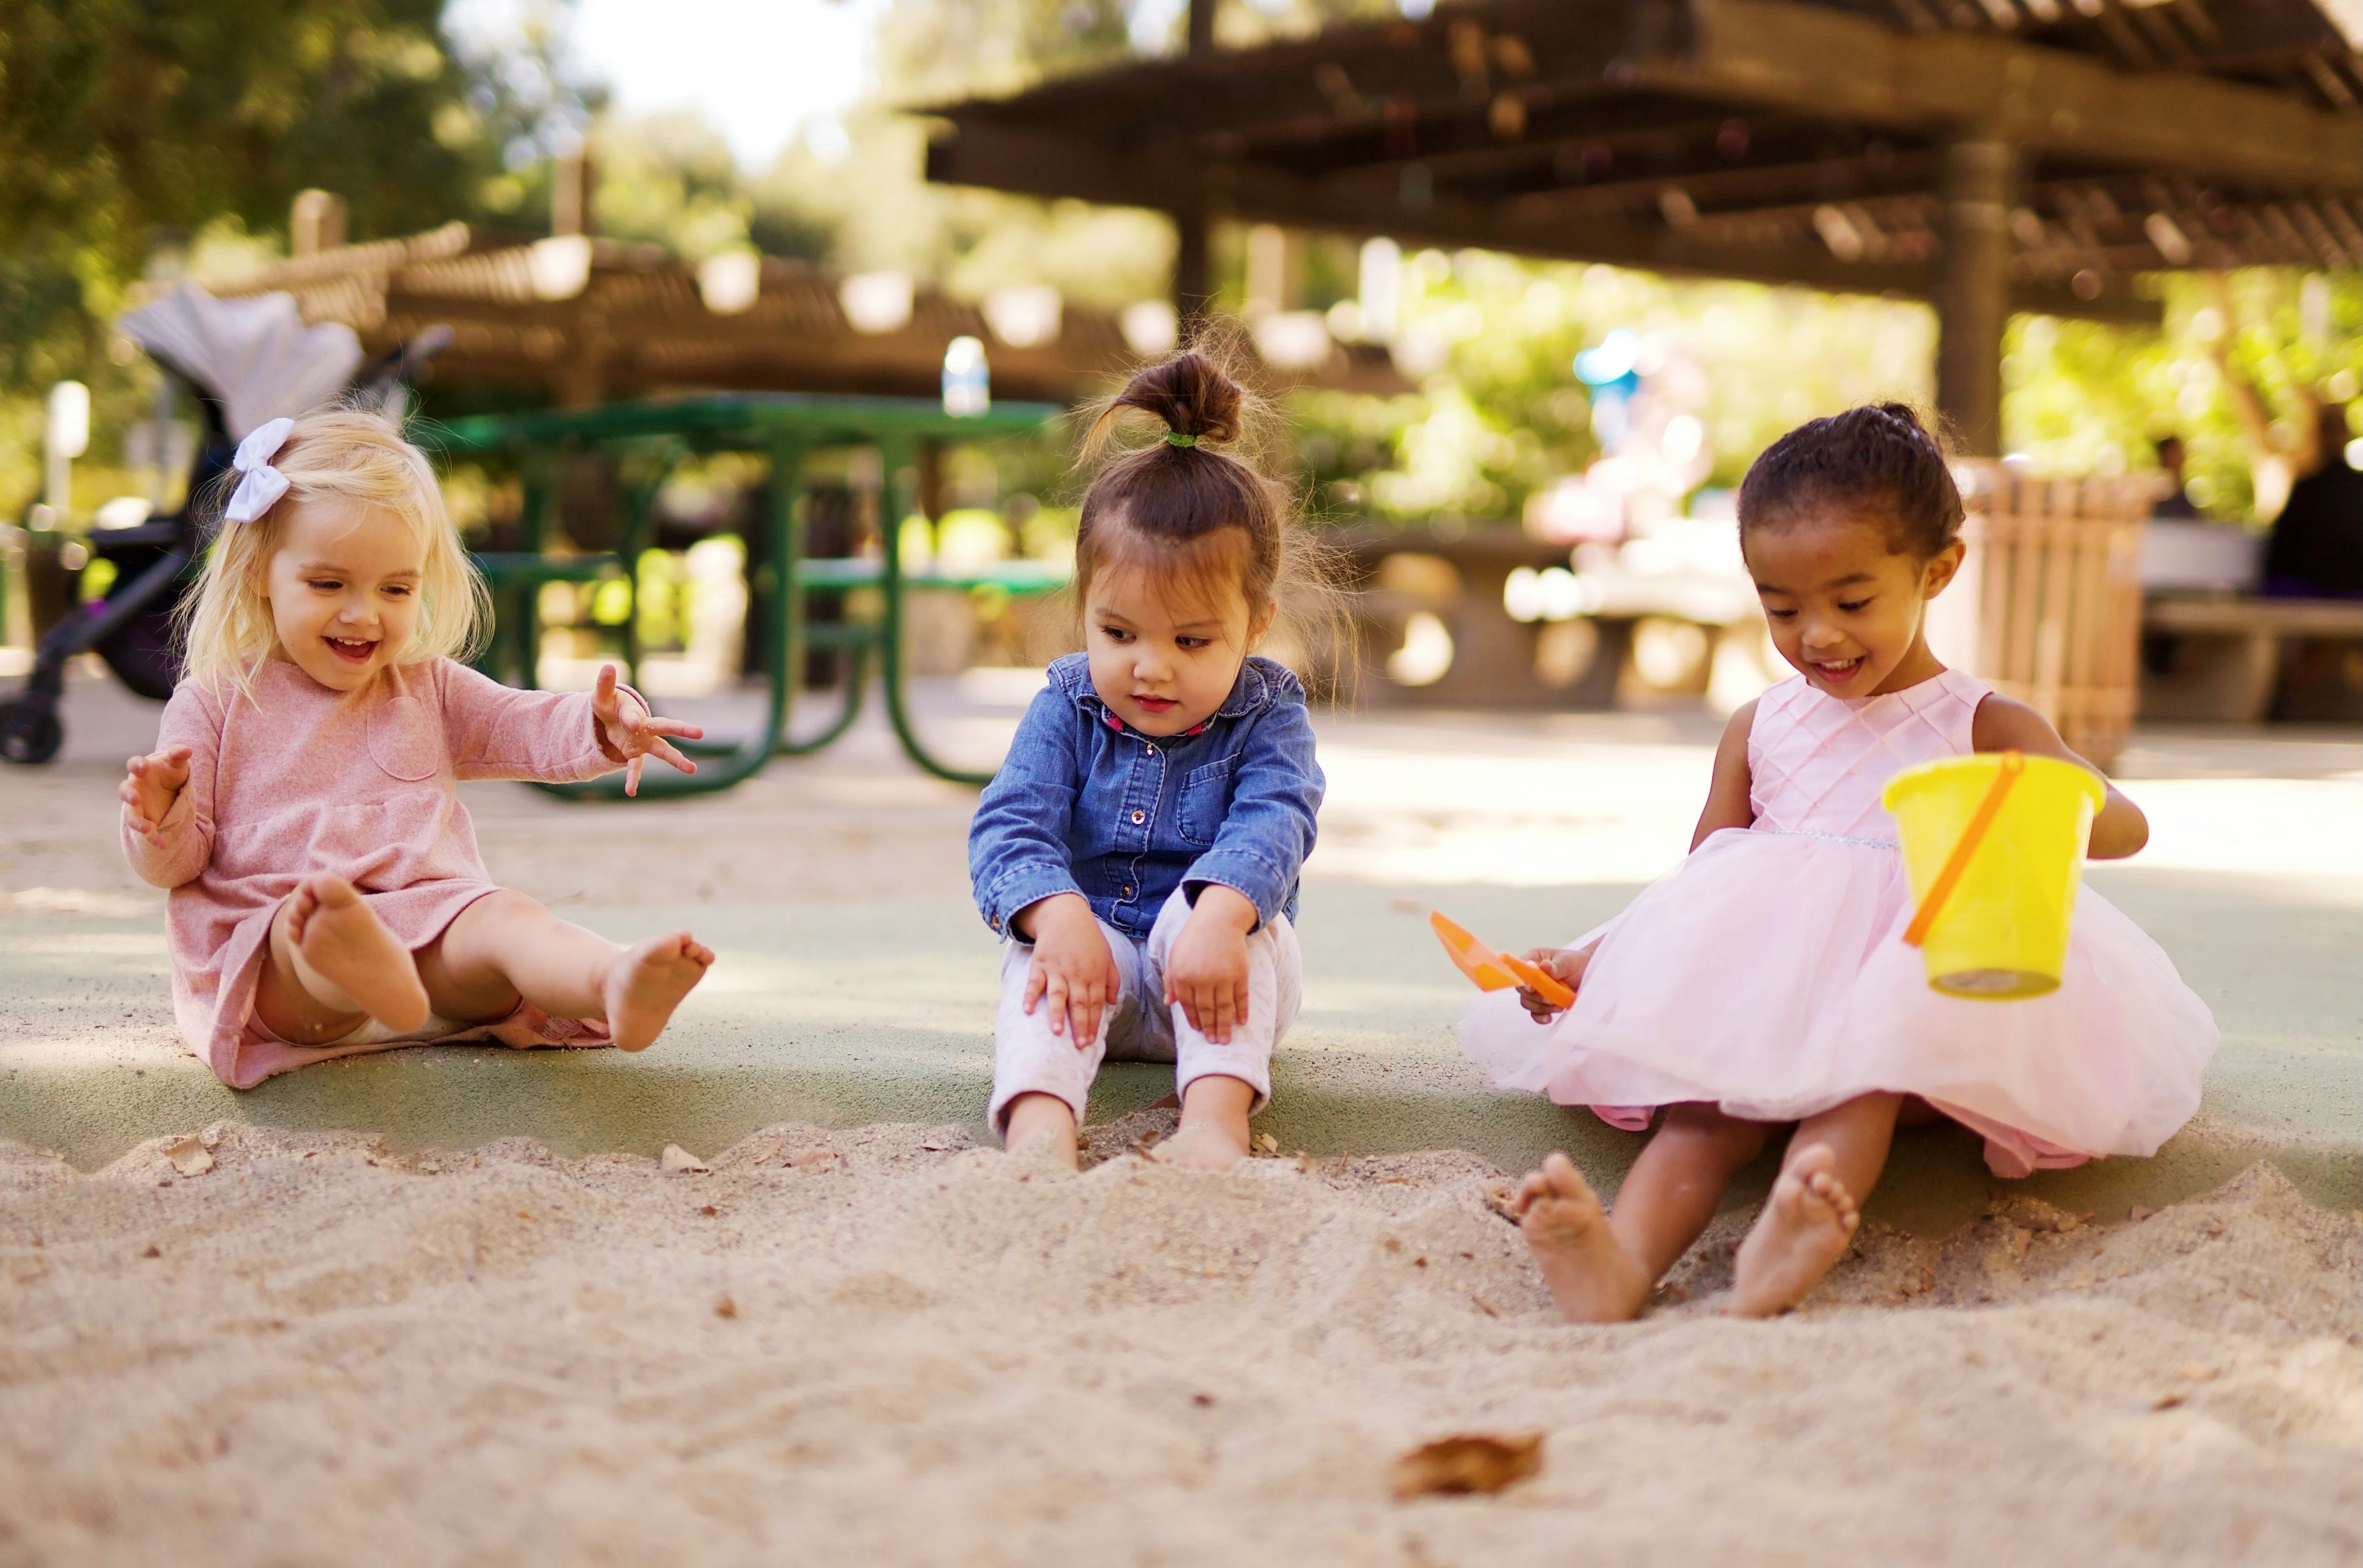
[
  {"x": 1565, "y": 965},
  {"x": 1206, "y": 972},
  {"x": 635, "y": 733},
  {"x": 151, "y": 784},
  {"x": 1072, "y": 967}
]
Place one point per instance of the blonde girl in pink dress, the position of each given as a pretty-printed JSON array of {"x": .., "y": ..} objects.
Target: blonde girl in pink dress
[
  {"x": 1764, "y": 984},
  {"x": 327, "y": 893}
]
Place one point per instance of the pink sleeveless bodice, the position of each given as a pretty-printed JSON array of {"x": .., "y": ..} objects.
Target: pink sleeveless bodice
[{"x": 1817, "y": 763}]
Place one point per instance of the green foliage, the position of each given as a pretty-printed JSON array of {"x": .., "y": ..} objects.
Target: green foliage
[
  {"x": 130, "y": 128},
  {"x": 669, "y": 178},
  {"x": 138, "y": 135},
  {"x": 870, "y": 207},
  {"x": 2083, "y": 399},
  {"x": 1505, "y": 413}
]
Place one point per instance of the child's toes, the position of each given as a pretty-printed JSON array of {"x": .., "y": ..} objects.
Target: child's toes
[
  {"x": 646, "y": 983},
  {"x": 301, "y": 904}
]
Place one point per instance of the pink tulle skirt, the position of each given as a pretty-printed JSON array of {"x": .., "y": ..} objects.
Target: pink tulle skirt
[{"x": 1768, "y": 975}]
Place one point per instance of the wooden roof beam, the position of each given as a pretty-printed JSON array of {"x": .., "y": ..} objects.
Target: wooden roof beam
[
  {"x": 1748, "y": 188},
  {"x": 1350, "y": 71},
  {"x": 1037, "y": 164},
  {"x": 1806, "y": 59}
]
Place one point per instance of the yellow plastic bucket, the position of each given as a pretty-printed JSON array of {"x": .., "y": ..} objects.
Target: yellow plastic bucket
[{"x": 1993, "y": 845}]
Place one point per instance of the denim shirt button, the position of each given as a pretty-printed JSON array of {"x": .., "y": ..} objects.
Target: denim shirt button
[
  {"x": 1140, "y": 817},
  {"x": 1128, "y": 892},
  {"x": 1147, "y": 747}
]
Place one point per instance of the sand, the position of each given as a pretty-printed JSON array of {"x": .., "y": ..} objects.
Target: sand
[
  {"x": 887, "y": 1346},
  {"x": 338, "y": 1353}
]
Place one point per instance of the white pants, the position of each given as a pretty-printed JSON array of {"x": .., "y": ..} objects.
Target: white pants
[{"x": 1137, "y": 1025}]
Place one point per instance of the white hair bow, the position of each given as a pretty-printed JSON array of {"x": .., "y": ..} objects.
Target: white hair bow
[{"x": 259, "y": 485}]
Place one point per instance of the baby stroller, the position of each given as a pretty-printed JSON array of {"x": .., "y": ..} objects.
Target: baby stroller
[{"x": 244, "y": 361}]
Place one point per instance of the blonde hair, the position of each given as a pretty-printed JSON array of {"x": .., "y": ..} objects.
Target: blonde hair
[{"x": 350, "y": 454}]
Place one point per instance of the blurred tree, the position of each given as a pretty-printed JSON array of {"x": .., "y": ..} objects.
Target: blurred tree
[
  {"x": 1500, "y": 411},
  {"x": 128, "y": 126},
  {"x": 2082, "y": 399},
  {"x": 669, "y": 178}
]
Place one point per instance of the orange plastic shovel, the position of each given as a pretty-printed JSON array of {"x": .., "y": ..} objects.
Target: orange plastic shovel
[{"x": 1496, "y": 971}]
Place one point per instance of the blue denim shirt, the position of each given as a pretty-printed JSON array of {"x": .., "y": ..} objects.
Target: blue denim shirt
[{"x": 1086, "y": 804}]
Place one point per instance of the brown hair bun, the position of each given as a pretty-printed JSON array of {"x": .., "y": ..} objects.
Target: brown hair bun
[
  {"x": 1190, "y": 393},
  {"x": 1179, "y": 505}
]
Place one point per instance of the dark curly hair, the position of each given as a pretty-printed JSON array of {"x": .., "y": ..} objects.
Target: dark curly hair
[
  {"x": 1177, "y": 503},
  {"x": 1879, "y": 460}
]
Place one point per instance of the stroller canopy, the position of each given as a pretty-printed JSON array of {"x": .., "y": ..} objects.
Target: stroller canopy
[{"x": 255, "y": 356}]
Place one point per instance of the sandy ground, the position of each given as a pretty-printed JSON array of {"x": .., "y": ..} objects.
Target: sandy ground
[
  {"x": 321, "y": 1350},
  {"x": 886, "y": 1346}
]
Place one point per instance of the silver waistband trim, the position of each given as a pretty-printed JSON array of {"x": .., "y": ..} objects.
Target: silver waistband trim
[{"x": 1833, "y": 837}]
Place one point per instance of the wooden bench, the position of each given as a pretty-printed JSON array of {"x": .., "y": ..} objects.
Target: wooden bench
[
  {"x": 2220, "y": 656},
  {"x": 1503, "y": 661}
]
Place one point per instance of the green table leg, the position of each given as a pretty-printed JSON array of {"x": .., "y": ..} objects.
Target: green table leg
[
  {"x": 856, "y": 681},
  {"x": 899, "y": 457},
  {"x": 786, "y": 538}
]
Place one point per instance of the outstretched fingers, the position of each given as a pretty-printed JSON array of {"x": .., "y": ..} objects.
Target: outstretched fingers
[{"x": 644, "y": 736}]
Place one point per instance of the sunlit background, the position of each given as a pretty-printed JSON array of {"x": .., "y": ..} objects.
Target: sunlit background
[{"x": 720, "y": 123}]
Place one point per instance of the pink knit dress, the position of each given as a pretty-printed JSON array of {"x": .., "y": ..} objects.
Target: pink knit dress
[
  {"x": 1766, "y": 973},
  {"x": 301, "y": 779}
]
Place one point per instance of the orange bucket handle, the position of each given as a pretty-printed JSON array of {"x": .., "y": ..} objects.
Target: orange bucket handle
[{"x": 2013, "y": 764}]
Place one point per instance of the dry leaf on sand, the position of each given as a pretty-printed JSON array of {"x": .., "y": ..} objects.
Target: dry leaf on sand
[
  {"x": 678, "y": 1161},
  {"x": 190, "y": 1156},
  {"x": 1468, "y": 1461}
]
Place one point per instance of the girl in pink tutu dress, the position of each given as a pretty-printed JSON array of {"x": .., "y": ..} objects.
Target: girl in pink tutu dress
[
  {"x": 1764, "y": 983},
  {"x": 327, "y": 893}
]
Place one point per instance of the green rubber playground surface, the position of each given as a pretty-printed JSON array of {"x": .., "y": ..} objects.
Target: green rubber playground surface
[{"x": 856, "y": 984}]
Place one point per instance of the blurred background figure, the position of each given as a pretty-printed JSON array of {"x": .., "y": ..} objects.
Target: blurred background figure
[
  {"x": 2176, "y": 500},
  {"x": 2317, "y": 548}
]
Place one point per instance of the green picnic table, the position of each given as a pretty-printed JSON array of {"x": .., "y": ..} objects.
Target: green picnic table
[{"x": 785, "y": 428}]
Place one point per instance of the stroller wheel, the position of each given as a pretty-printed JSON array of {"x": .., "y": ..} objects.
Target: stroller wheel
[{"x": 29, "y": 730}]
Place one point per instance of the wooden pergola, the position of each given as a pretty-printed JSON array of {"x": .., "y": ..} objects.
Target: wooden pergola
[
  {"x": 586, "y": 319},
  {"x": 1990, "y": 157}
]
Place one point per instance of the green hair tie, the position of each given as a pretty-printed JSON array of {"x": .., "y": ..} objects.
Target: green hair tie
[{"x": 1176, "y": 439}]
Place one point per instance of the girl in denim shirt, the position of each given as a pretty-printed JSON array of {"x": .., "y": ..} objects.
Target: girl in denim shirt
[{"x": 1139, "y": 848}]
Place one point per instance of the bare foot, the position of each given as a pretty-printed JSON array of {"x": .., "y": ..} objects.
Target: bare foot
[
  {"x": 1803, "y": 1229},
  {"x": 1206, "y": 1145},
  {"x": 643, "y": 986},
  {"x": 340, "y": 940},
  {"x": 1591, "y": 1278},
  {"x": 1042, "y": 1131}
]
